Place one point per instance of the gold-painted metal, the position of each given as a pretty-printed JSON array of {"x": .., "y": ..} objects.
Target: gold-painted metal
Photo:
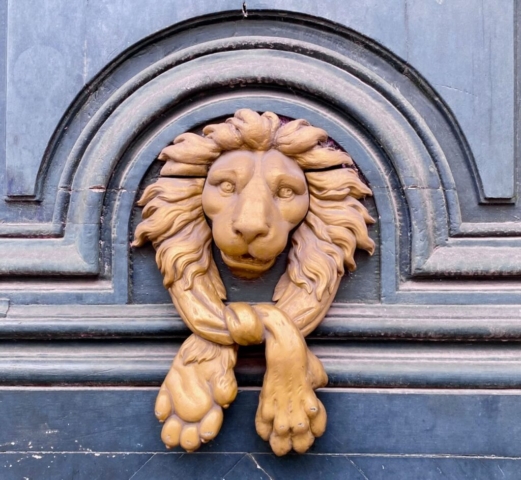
[{"x": 257, "y": 179}]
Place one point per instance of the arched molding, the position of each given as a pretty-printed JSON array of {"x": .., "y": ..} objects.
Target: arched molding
[{"x": 352, "y": 97}]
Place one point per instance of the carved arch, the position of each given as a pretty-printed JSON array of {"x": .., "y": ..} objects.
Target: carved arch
[{"x": 356, "y": 91}]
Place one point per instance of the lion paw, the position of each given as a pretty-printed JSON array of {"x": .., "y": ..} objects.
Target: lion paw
[
  {"x": 190, "y": 435},
  {"x": 200, "y": 383},
  {"x": 290, "y": 415}
]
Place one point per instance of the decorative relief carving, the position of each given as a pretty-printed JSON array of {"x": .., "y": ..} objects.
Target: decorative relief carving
[{"x": 256, "y": 178}]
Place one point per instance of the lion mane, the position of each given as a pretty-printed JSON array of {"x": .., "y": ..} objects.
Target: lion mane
[{"x": 323, "y": 245}]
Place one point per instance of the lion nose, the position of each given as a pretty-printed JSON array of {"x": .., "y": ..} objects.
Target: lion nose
[
  {"x": 251, "y": 219},
  {"x": 251, "y": 231},
  {"x": 251, "y": 227}
]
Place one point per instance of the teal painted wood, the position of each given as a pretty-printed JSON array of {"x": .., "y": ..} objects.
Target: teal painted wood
[
  {"x": 422, "y": 94},
  {"x": 468, "y": 43},
  {"x": 348, "y": 363},
  {"x": 415, "y": 174},
  {"x": 382, "y": 434},
  {"x": 70, "y": 250},
  {"x": 365, "y": 421}
]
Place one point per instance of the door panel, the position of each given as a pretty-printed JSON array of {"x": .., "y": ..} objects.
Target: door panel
[{"x": 421, "y": 94}]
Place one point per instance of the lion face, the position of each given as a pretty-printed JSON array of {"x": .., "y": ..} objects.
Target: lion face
[{"x": 254, "y": 199}]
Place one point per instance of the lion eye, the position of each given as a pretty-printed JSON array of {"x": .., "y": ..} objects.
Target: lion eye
[
  {"x": 285, "y": 192},
  {"x": 227, "y": 187}
]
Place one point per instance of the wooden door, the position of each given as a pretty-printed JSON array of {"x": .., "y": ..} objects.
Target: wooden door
[{"x": 422, "y": 343}]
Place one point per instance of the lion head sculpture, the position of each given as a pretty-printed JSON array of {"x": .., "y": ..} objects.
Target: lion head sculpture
[
  {"x": 256, "y": 178},
  {"x": 254, "y": 199}
]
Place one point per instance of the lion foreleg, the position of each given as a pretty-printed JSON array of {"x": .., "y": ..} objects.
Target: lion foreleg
[
  {"x": 200, "y": 383},
  {"x": 201, "y": 380},
  {"x": 202, "y": 310},
  {"x": 289, "y": 413},
  {"x": 304, "y": 308}
]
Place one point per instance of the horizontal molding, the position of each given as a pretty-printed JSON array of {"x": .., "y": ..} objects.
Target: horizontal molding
[
  {"x": 502, "y": 229},
  {"x": 464, "y": 260},
  {"x": 31, "y": 229},
  {"x": 348, "y": 364},
  {"x": 4, "y": 307},
  {"x": 343, "y": 321},
  {"x": 69, "y": 255}
]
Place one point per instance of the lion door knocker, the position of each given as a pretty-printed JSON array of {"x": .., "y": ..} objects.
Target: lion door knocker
[{"x": 256, "y": 179}]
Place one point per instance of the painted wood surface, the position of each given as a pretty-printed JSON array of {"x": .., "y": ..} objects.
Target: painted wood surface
[
  {"x": 423, "y": 96},
  {"x": 377, "y": 434}
]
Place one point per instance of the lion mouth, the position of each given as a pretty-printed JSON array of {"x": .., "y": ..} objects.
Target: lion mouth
[{"x": 246, "y": 265}]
